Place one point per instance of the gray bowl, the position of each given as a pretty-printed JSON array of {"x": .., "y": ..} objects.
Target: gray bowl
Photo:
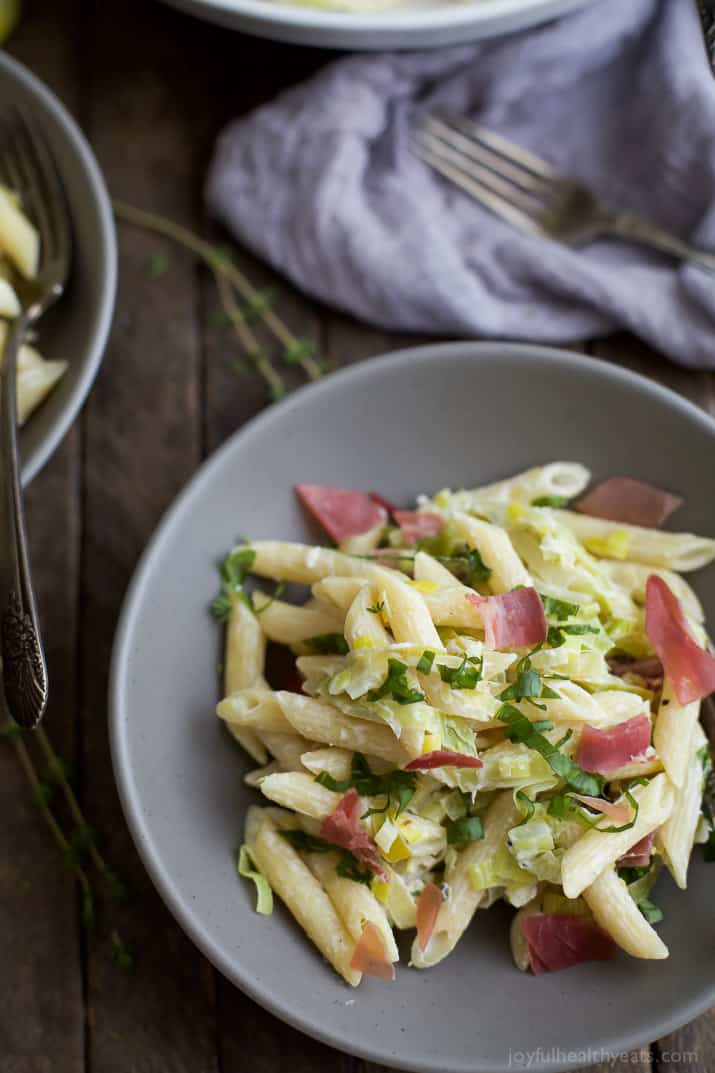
[
  {"x": 77, "y": 328},
  {"x": 458, "y": 415}
]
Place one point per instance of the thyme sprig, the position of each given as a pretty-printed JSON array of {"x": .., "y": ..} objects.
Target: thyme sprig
[
  {"x": 81, "y": 845},
  {"x": 233, "y": 286}
]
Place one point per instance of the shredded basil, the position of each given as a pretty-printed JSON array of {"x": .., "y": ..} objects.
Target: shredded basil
[
  {"x": 525, "y": 805},
  {"x": 528, "y": 684},
  {"x": 466, "y": 829},
  {"x": 520, "y": 729},
  {"x": 396, "y": 685},
  {"x": 398, "y": 787},
  {"x": 556, "y": 635},
  {"x": 558, "y": 609},
  {"x": 549, "y": 501},
  {"x": 563, "y": 807},
  {"x": 328, "y": 643},
  {"x": 650, "y": 911},
  {"x": 465, "y": 676},
  {"x": 348, "y": 866}
]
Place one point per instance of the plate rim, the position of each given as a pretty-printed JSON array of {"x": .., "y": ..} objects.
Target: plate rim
[
  {"x": 492, "y": 16},
  {"x": 107, "y": 241},
  {"x": 682, "y": 1013}
]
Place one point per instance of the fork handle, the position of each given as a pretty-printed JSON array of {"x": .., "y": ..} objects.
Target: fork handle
[
  {"x": 637, "y": 230},
  {"x": 24, "y": 671}
]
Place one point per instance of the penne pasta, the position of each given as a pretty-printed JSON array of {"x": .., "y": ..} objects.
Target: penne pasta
[
  {"x": 300, "y": 792},
  {"x": 288, "y": 624},
  {"x": 318, "y": 721},
  {"x": 597, "y": 850},
  {"x": 674, "y": 551},
  {"x": 616, "y": 912},
  {"x": 495, "y": 548},
  {"x": 300, "y": 891},
  {"x": 673, "y": 733},
  {"x": 675, "y": 839},
  {"x": 448, "y": 765},
  {"x": 355, "y": 903},
  {"x": 244, "y": 658}
]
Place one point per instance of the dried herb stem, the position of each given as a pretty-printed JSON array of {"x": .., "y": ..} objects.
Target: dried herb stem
[
  {"x": 33, "y": 778},
  {"x": 295, "y": 350},
  {"x": 57, "y": 769},
  {"x": 247, "y": 339}
]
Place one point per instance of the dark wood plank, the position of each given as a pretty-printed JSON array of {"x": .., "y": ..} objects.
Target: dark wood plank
[
  {"x": 688, "y": 1050},
  {"x": 42, "y": 1021},
  {"x": 142, "y": 430}
]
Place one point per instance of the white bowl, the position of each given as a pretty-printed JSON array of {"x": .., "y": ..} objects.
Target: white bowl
[{"x": 415, "y": 24}]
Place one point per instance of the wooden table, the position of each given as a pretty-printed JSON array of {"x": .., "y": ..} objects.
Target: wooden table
[{"x": 152, "y": 88}]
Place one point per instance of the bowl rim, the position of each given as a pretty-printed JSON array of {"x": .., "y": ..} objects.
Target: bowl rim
[
  {"x": 108, "y": 260},
  {"x": 680, "y": 1012},
  {"x": 493, "y": 15}
]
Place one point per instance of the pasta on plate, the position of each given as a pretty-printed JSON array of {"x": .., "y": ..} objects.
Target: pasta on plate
[
  {"x": 494, "y": 696},
  {"x": 19, "y": 258}
]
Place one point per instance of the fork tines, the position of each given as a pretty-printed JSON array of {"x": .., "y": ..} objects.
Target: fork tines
[{"x": 511, "y": 181}]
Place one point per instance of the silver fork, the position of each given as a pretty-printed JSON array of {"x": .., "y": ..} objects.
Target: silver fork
[
  {"x": 529, "y": 193},
  {"x": 27, "y": 167}
]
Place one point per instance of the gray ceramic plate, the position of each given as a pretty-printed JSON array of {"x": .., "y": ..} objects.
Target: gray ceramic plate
[
  {"x": 455, "y": 415},
  {"x": 412, "y": 24},
  {"x": 77, "y": 328}
]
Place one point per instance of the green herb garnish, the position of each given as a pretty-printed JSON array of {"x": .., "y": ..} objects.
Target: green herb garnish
[
  {"x": 398, "y": 787},
  {"x": 559, "y": 609},
  {"x": 466, "y": 829},
  {"x": 377, "y": 608},
  {"x": 520, "y": 729},
  {"x": 348, "y": 866},
  {"x": 557, "y": 634},
  {"x": 233, "y": 571},
  {"x": 526, "y": 806},
  {"x": 549, "y": 501},
  {"x": 396, "y": 685},
  {"x": 528, "y": 684},
  {"x": 328, "y": 643},
  {"x": 650, "y": 911},
  {"x": 465, "y": 676}
]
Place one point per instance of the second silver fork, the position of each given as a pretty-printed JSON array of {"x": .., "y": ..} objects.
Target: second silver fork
[
  {"x": 530, "y": 194},
  {"x": 28, "y": 168}
]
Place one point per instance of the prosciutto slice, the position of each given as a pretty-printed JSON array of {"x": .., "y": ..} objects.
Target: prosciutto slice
[
  {"x": 638, "y": 856},
  {"x": 442, "y": 758},
  {"x": 428, "y": 905},
  {"x": 622, "y": 499},
  {"x": 386, "y": 503},
  {"x": 618, "y": 811},
  {"x": 343, "y": 828},
  {"x": 343, "y": 513},
  {"x": 370, "y": 955},
  {"x": 416, "y": 526},
  {"x": 604, "y": 751},
  {"x": 559, "y": 941},
  {"x": 511, "y": 619},
  {"x": 689, "y": 668}
]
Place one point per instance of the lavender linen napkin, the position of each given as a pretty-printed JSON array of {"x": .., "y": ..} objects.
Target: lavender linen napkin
[{"x": 322, "y": 183}]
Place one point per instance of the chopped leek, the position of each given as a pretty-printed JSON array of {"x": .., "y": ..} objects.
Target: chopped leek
[{"x": 246, "y": 867}]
